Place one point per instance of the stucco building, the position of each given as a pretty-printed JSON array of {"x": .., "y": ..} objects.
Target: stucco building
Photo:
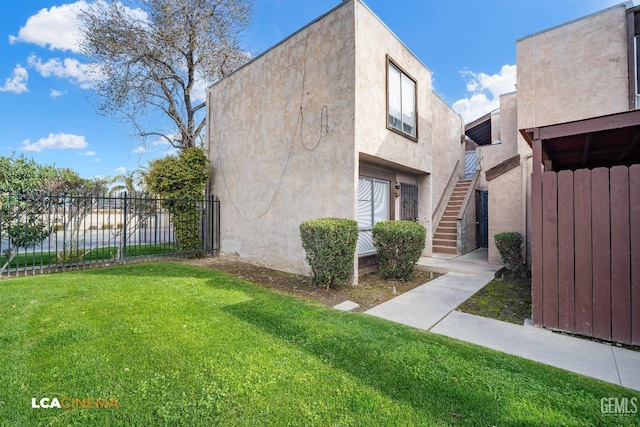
[
  {"x": 337, "y": 120},
  {"x": 567, "y": 172}
]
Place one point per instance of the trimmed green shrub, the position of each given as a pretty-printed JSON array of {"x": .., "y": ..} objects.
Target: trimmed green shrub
[
  {"x": 509, "y": 244},
  {"x": 399, "y": 245},
  {"x": 330, "y": 244}
]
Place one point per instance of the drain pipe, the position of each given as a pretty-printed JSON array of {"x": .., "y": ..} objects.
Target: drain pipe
[{"x": 524, "y": 165}]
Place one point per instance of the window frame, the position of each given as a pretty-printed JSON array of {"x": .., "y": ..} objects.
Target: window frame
[
  {"x": 633, "y": 32},
  {"x": 390, "y": 62}
]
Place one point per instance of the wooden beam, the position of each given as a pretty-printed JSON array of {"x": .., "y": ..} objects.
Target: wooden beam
[
  {"x": 630, "y": 146},
  {"x": 614, "y": 121},
  {"x": 503, "y": 167},
  {"x": 587, "y": 146}
]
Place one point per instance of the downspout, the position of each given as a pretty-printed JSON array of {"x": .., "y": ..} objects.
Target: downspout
[{"x": 524, "y": 166}]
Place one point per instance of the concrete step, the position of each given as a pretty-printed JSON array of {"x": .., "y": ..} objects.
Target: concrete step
[
  {"x": 444, "y": 236},
  {"x": 445, "y": 250},
  {"x": 445, "y": 230},
  {"x": 445, "y": 243}
]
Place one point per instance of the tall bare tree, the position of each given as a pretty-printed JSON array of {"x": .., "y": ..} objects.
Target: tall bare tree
[{"x": 157, "y": 56}]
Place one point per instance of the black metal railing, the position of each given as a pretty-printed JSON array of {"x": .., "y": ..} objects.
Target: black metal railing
[{"x": 42, "y": 233}]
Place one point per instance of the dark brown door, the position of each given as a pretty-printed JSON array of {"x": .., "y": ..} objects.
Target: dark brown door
[{"x": 409, "y": 202}]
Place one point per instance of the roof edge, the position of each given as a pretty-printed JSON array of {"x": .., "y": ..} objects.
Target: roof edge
[
  {"x": 626, "y": 5},
  {"x": 287, "y": 38}
]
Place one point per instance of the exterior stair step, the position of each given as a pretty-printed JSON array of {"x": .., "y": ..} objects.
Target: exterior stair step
[{"x": 444, "y": 250}]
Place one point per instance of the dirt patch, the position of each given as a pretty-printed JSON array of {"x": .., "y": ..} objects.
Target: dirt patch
[{"x": 372, "y": 290}]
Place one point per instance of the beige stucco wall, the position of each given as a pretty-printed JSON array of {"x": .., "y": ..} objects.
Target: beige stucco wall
[
  {"x": 509, "y": 193},
  {"x": 447, "y": 147},
  {"x": 503, "y": 129},
  {"x": 373, "y": 43},
  {"x": 432, "y": 158},
  {"x": 575, "y": 71},
  {"x": 281, "y": 134},
  {"x": 505, "y": 208}
]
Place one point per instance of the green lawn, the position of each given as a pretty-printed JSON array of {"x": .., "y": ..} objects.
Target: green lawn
[
  {"x": 181, "y": 345},
  {"x": 36, "y": 258}
]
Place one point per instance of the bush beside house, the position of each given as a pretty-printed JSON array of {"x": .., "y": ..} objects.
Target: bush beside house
[
  {"x": 509, "y": 244},
  {"x": 399, "y": 245},
  {"x": 330, "y": 244}
]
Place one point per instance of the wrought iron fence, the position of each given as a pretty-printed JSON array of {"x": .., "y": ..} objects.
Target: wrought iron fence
[{"x": 53, "y": 232}]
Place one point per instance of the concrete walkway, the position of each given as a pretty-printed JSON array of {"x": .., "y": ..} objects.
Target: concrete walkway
[{"x": 432, "y": 307}]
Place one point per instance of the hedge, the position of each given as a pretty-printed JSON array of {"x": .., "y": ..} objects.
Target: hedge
[
  {"x": 399, "y": 245},
  {"x": 330, "y": 244},
  {"x": 509, "y": 244}
]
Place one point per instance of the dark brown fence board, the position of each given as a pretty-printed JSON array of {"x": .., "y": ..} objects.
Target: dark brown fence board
[
  {"x": 566, "y": 261},
  {"x": 634, "y": 232},
  {"x": 583, "y": 253},
  {"x": 601, "y": 235},
  {"x": 550, "y": 249},
  {"x": 536, "y": 235},
  {"x": 620, "y": 255}
]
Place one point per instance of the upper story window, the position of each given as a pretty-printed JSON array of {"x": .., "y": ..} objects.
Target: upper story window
[
  {"x": 633, "y": 37},
  {"x": 401, "y": 101},
  {"x": 637, "y": 68}
]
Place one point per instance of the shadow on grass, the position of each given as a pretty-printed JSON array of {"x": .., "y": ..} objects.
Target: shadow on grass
[
  {"x": 151, "y": 268},
  {"x": 419, "y": 375}
]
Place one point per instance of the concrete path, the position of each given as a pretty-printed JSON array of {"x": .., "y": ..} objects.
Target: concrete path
[
  {"x": 472, "y": 263},
  {"x": 432, "y": 307},
  {"x": 426, "y": 305},
  {"x": 602, "y": 361}
]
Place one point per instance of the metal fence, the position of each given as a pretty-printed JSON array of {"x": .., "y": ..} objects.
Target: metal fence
[{"x": 42, "y": 233}]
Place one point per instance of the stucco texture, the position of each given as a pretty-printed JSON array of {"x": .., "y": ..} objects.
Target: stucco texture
[
  {"x": 575, "y": 71},
  {"x": 505, "y": 208},
  {"x": 281, "y": 142},
  {"x": 289, "y": 132}
]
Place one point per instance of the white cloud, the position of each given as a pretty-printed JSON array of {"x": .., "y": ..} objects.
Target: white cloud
[
  {"x": 54, "y": 93},
  {"x": 87, "y": 153},
  {"x": 84, "y": 75},
  {"x": 57, "y": 28},
  {"x": 58, "y": 141},
  {"x": 485, "y": 91},
  {"x": 140, "y": 150},
  {"x": 121, "y": 169},
  {"x": 17, "y": 83}
]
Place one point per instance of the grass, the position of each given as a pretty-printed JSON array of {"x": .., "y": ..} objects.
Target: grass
[
  {"x": 36, "y": 259},
  {"x": 507, "y": 299},
  {"x": 182, "y": 345}
]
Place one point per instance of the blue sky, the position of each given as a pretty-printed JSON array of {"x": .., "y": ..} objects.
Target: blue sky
[{"x": 47, "y": 110}]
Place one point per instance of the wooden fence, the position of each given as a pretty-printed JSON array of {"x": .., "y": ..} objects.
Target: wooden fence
[{"x": 586, "y": 267}]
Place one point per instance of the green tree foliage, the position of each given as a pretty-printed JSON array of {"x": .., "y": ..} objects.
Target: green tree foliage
[
  {"x": 330, "y": 244},
  {"x": 23, "y": 182},
  {"x": 399, "y": 245},
  {"x": 180, "y": 180}
]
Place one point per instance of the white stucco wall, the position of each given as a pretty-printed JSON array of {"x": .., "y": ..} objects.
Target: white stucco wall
[
  {"x": 575, "y": 71},
  {"x": 281, "y": 134}
]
